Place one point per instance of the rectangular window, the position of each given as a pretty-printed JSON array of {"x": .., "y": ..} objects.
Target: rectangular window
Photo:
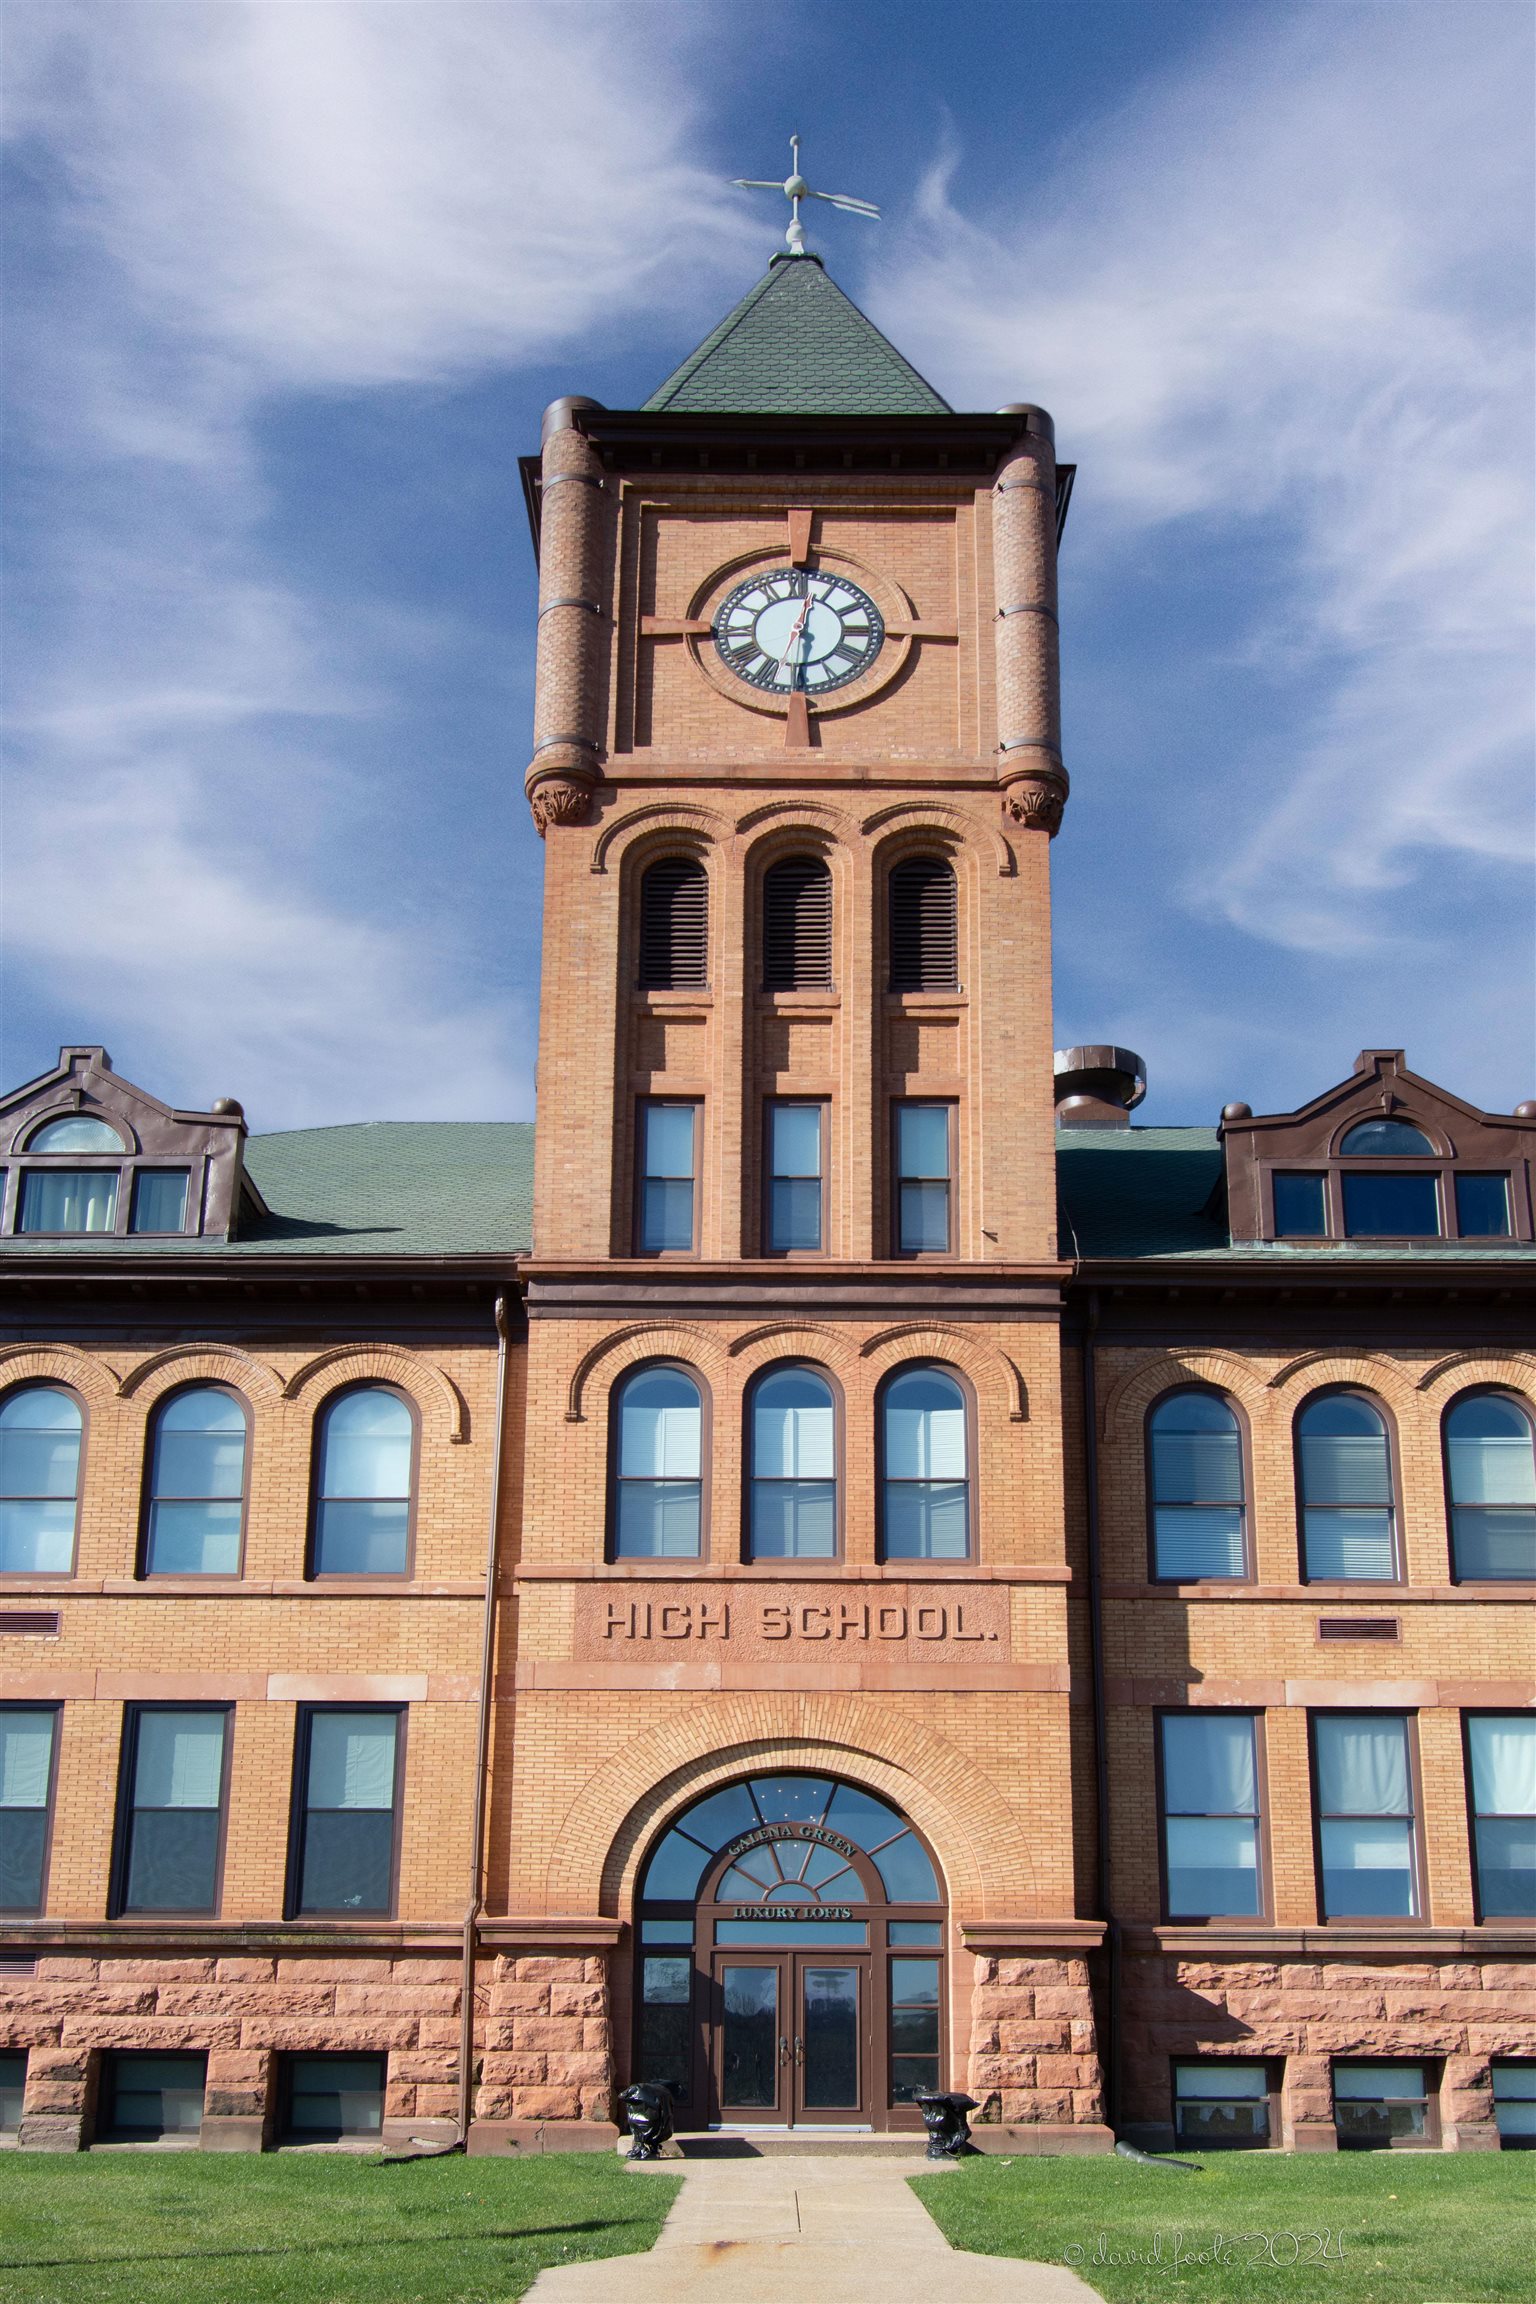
[
  {"x": 1514, "y": 2105},
  {"x": 149, "y": 2096},
  {"x": 1220, "y": 2105},
  {"x": 1482, "y": 1207},
  {"x": 1365, "y": 1815},
  {"x": 159, "y": 1200},
  {"x": 794, "y": 1212},
  {"x": 13, "y": 2082},
  {"x": 666, "y": 2023},
  {"x": 27, "y": 1735},
  {"x": 326, "y": 2097},
  {"x": 668, "y": 1142},
  {"x": 1378, "y": 2105},
  {"x": 68, "y": 1200},
  {"x": 349, "y": 1782},
  {"x": 923, "y": 1179},
  {"x": 1210, "y": 1783},
  {"x": 1300, "y": 1208},
  {"x": 1390, "y": 1206},
  {"x": 1502, "y": 1752},
  {"x": 173, "y": 1811},
  {"x": 914, "y": 2029}
]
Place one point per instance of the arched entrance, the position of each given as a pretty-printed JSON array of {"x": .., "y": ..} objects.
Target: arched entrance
[{"x": 790, "y": 1959}]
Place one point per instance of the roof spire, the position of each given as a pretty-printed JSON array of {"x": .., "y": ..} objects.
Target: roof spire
[{"x": 795, "y": 189}]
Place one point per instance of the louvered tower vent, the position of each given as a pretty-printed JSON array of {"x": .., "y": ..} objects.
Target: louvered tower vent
[
  {"x": 923, "y": 944},
  {"x": 674, "y": 926},
  {"x": 797, "y": 926}
]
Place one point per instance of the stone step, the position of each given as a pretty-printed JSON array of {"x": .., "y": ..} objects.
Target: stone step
[{"x": 793, "y": 2144}]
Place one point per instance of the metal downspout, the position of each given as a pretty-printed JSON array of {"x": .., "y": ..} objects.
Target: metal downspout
[
  {"x": 482, "y": 1743},
  {"x": 1103, "y": 1877}
]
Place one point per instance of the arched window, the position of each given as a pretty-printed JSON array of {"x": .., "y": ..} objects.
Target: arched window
[
  {"x": 1344, "y": 1470},
  {"x": 1387, "y": 1140},
  {"x": 658, "y": 1419},
  {"x": 75, "y": 1132},
  {"x": 1199, "y": 1515},
  {"x": 797, "y": 926},
  {"x": 40, "y": 1430},
  {"x": 1490, "y": 1474},
  {"x": 674, "y": 925},
  {"x": 196, "y": 1484},
  {"x": 923, "y": 941},
  {"x": 364, "y": 1484},
  {"x": 794, "y": 1467},
  {"x": 925, "y": 1467}
]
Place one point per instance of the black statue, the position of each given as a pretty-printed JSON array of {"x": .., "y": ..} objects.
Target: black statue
[
  {"x": 949, "y": 2131},
  {"x": 648, "y": 2110}
]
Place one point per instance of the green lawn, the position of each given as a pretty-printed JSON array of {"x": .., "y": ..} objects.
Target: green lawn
[
  {"x": 1401, "y": 2227},
  {"x": 189, "y": 2228}
]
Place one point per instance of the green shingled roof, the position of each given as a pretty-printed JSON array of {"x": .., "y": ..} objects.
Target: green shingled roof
[
  {"x": 409, "y": 1188},
  {"x": 797, "y": 346},
  {"x": 1157, "y": 1192}
]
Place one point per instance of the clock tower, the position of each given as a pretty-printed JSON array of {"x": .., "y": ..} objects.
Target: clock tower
[{"x": 793, "y": 1558}]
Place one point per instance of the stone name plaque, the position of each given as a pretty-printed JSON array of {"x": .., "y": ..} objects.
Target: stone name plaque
[{"x": 917, "y": 1622}]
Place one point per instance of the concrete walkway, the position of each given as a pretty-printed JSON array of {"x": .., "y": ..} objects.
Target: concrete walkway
[{"x": 803, "y": 2231}]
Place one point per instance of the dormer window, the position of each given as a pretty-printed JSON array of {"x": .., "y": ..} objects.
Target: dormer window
[
  {"x": 1383, "y": 1158},
  {"x": 86, "y": 1156}
]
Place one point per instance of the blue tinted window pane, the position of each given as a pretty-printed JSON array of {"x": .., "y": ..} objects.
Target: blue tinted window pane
[
  {"x": 794, "y": 1520},
  {"x": 159, "y": 1200},
  {"x": 356, "y": 1538},
  {"x": 922, "y": 1141},
  {"x": 1190, "y": 1542},
  {"x": 1482, "y": 1207},
  {"x": 924, "y": 1219},
  {"x": 1506, "y": 1867},
  {"x": 78, "y": 1132},
  {"x": 794, "y": 1214},
  {"x": 336, "y": 2095},
  {"x": 1213, "y": 1866},
  {"x": 668, "y": 1140},
  {"x": 666, "y": 1214},
  {"x": 907, "y": 1873},
  {"x": 1495, "y": 1546},
  {"x": 657, "y": 1520},
  {"x": 1387, "y": 1139},
  {"x": 69, "y": 1200},
  {"x": 1392, "y": 1207},
  {"x": 796, "y": 1140},
  {"x": 365, "y": 1446},
  {"x": 155, "y": 2095},
  {"x": 1299, "y": 1208},
  {"x": 13, "y": 2080}
]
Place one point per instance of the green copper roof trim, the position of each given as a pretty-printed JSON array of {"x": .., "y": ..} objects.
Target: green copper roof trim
[{"x": 797, "y": 346}]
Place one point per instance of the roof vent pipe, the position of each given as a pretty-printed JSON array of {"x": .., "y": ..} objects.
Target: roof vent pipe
[{"x": 1098, "y": 1087}]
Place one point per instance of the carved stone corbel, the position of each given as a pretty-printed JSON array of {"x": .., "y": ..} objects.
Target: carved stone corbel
[{"x": 1035, "y": 803}]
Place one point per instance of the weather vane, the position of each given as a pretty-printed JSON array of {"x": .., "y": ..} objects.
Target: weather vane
[{"x": 795, "y": 189}]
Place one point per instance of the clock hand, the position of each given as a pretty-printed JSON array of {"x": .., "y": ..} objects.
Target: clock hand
[{"x": 797, "y": 633}]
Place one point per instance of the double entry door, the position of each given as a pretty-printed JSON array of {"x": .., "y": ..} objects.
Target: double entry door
[{"x": 792, "y": 2037}]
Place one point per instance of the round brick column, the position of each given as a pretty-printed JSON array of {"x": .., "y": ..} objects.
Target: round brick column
[
  {"x": 1028, "y": 643},
  {"x": 570, "y": 689}
]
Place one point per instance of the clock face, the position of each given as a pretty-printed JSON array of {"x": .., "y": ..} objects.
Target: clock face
[{"x": 790, "y": 629}]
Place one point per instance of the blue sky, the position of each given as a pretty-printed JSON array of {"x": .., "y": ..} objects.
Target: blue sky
[{"x": 291, "y": 282}]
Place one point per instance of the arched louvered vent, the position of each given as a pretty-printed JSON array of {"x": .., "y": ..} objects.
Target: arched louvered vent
[
  {"x": 674, "y": 926},
  {"x": 923, "y": 949},
  {"x": 797, "y": 926}
]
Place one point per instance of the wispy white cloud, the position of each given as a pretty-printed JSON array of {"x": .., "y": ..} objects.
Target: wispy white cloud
[
  {"x": 236, "y": 204},
  {"x": 1285, "y": 291}
]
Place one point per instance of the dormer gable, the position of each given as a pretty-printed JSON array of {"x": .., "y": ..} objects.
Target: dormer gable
[
  {"x": 88, "y": 1155},
  {"x": 1384, "y": 1156}
]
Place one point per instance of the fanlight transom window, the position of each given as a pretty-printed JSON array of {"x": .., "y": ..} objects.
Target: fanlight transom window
[
  {"x": 75, "y": 1132},
  {"x": 788, "y": 1839}
]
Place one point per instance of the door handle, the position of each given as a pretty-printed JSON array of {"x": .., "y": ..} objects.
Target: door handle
[
  {"x": 783, "y": 2049},
  {"x": 799, "y": 2049}
]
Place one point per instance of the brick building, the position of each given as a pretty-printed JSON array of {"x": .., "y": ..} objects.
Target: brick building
[{"x": 846, "y": 1567}]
